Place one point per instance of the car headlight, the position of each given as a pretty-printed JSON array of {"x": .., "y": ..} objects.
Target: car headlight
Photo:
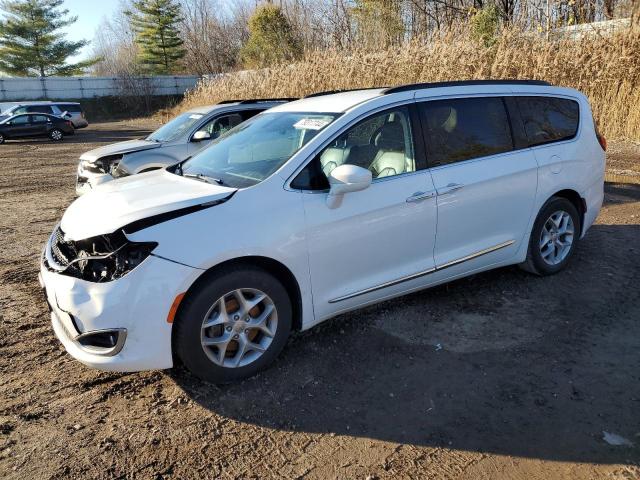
[
  {"x": 101, "y": 165},
  {"x": 96, "y": 259}
]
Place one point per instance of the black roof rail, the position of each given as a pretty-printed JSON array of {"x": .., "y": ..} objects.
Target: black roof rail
[
  {"x": 331, "y": 92},
  {"x": 257, "y": 100},
  {"x": 462, "y": 83},
  {"x": 281, "y": 99}
]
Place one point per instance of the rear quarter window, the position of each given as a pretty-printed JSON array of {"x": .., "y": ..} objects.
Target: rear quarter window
[
  {"x": 70, "y": 108},
  {"x": 548, "y": 119}
]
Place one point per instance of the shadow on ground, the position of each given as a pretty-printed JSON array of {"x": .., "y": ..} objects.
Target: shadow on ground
[{"x": 500, "y": 362}]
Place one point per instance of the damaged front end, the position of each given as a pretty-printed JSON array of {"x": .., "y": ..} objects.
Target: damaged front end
[
  {"x": 97, "y": 259},
  {"x": 102, "y": 165}
]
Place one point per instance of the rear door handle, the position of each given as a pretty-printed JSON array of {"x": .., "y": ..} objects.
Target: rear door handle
[
  {"x": 452, "y": 187},
  {"x": 419, "y": 196}
]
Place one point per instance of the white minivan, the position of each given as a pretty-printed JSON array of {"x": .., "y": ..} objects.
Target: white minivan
[{"x": 317, "y": 207}]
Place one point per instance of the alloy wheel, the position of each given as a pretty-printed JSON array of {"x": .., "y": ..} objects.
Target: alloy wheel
[
  {"x": 56, "y": 135},
  {"x": 239, "y": 327},
  {"x": 556, "y": 238}
]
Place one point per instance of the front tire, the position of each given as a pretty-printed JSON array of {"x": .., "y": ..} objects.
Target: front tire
[
  {"x": 56, "y": 135},
  {"x": 554, "y": 237},
  {"x": 233, "y": 324}
]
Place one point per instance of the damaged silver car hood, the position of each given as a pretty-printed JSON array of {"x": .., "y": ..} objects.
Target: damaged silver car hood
[
  {"x": 115, "y": 204},
  {"x": 119, "y": 148}
]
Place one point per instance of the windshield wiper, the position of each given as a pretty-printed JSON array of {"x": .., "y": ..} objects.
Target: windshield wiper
[{"x": 204, "y": 178}]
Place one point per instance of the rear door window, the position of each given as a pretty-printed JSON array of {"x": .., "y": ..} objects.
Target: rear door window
[
  {"x": 548, "y": 119},
  {"x": 39, "y": 119},
  {"x": 465, "y": 128}
]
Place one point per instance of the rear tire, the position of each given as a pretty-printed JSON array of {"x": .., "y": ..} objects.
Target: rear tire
[
  {"x": 56, "y": 135},
  {"x": 1, "y": 139},
  {"x": 554, "y": 237},
  {"x": 233, "y": 324}
]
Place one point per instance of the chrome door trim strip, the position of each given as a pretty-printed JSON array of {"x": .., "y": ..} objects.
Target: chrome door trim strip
[
  {"x": 383, "y": 285},
  {"x": 423, "y": 273},
  {"x": 477, "y": 254}
]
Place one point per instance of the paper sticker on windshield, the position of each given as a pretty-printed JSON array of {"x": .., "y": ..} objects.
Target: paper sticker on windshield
[
  {"x": 196, "y": 116},
  {"x": 311, "y": 124}
]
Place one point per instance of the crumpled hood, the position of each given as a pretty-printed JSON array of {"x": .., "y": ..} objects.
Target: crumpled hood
[
  {"x": 118, "y": 203},
  {"x": 119, "y": 148}
]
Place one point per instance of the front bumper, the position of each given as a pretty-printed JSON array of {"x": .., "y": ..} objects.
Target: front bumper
[{"x": 136, "y": 306}]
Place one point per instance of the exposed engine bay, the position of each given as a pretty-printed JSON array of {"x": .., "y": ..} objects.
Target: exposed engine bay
[{"x": 98, "y": 259}]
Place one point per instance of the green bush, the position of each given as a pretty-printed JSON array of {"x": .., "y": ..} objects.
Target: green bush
[{"x": 484, "y": 25}]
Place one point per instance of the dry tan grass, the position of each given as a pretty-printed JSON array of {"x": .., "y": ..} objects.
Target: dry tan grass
[{"x": 607, "y": 70}]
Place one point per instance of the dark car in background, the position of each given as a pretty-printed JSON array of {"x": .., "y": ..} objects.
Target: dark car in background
[
  {"x": 71, "y": 111},
  {"x": 35, "y": 125}
]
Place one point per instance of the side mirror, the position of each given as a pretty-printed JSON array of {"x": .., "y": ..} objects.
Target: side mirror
[
  {"x": 346, "y": 179},
  {"x": 200, "y": 135}
]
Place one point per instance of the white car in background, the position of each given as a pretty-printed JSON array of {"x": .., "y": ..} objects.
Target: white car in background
[
  {"x": 318, "y": 207},
  {"x": 182, "y": 137}
]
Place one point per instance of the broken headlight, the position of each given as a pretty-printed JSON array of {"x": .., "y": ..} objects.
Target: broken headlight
[
  {"x": 101, "y": 165},
  {"x": 97, "y": 259}
]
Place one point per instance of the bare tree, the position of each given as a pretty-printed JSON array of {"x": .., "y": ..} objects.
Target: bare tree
[{"x": 212, "y": 36}]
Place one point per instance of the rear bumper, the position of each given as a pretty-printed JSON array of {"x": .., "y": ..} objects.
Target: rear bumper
[
  {"x": 133, "y": 308},
  {"x": 593, "y": 197},
  {"x": 79, "y": 123}
]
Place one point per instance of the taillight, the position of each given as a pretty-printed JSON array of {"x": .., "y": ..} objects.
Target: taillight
[
  {"x": 69, "y": 123},
  {"x": 602, "y": 141}
]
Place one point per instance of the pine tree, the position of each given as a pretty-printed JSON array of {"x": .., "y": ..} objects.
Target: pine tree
[
  {"x": 157, "y": 36},
  {"x": 31, "y": 43},
  {"x": 271, "y": 39}
]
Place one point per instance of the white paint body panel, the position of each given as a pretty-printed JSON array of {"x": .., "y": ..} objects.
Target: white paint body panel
[
  {"x": 367, "y": 245},
  {"x": 493, "y": 205},
  {"x": 115, "y": 204}
]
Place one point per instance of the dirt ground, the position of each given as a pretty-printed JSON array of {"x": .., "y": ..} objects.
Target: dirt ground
[{"x": 501, "y": 375}]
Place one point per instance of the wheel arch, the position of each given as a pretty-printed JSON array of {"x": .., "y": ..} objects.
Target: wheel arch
[
  {"x": 274, "y": 267},
  {"x": 577, "y": 201}
]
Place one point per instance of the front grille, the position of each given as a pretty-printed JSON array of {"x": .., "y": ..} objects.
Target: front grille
[
  {"x": 63, "y": 252},
  {"x": 56, "y": 251}
]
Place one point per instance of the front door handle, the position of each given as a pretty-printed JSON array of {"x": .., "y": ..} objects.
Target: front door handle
[
  {"x": 419, "y": 196},
  {"x": 452, "y": 187}
]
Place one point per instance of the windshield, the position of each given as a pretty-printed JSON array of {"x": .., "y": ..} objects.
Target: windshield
[
  {"x": 255, "y": 149},
  {"x": 176, "y": 127}
]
